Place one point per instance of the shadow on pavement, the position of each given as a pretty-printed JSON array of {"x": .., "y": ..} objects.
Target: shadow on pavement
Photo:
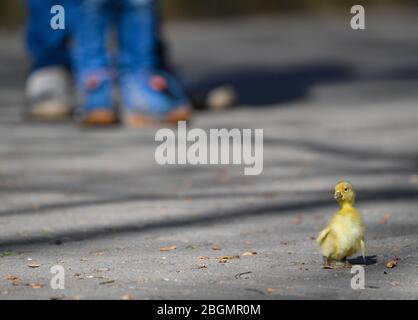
[
  {"x": 208, "y": 218},
  {"x": 268, "y": 86},
  {"x": 370, "y": 260}
]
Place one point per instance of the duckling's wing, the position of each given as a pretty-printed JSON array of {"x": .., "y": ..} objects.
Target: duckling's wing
[{"x": 322, "y": 236}]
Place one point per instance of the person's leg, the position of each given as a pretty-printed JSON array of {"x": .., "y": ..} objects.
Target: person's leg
[
  {"x": 138, "y": 37},
  {"x": 148, "y": 92},
  {"x": 92, "y": 62},
  {"x": 48, "y": 87},
  {"x": 47, "y": 47}
]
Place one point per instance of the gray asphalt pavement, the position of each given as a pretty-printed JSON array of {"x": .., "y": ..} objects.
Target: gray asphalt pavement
[{"x": 334, "y": 104}]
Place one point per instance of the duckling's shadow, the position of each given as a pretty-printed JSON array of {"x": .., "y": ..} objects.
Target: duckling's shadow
[{"x": 370, "y": 260}]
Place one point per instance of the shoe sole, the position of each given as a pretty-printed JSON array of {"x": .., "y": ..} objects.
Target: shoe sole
[
  {"x": 50, "y": 111},
  {"x": 99, "y": 118},
  {"x": 141, "y": 121}
]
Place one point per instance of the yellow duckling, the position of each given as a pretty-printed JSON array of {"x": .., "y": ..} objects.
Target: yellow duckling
[{"x": 344, "y": 234}]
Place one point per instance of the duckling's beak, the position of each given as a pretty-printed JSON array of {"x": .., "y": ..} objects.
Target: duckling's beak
[{"x": 338, "y": 195}]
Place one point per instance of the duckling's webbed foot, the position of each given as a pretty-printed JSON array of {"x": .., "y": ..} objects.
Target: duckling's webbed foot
[
  {"x": 327, "y": 263},
  {"x": 347, "y": 264},
  {"x": 338, "y": 264}
]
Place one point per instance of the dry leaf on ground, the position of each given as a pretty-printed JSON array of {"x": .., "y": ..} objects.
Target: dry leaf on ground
[
  {"x": 216, "y": 247},
  {"x": 391, "y": 264},
  {"x": 34, "y": 265},
  {"x": 249, "y": 253},
  {"x": 297, "y": 220},
  {"x": 224, "y": 259},
  {"x": 169, "y": 248},
  {"x": 385, "y": 219},
  {"x": 228, "y": 257},
  {"x": 11, "y": 278},
  {"x": 271, "y": 290}
]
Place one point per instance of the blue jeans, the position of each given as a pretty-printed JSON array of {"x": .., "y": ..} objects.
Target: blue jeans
[
  {"x": 136, "y": 25},
  {"x": 48, "y": 47}
]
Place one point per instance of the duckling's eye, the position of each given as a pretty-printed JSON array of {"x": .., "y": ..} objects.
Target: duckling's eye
[{"x": 345, "y": 189}]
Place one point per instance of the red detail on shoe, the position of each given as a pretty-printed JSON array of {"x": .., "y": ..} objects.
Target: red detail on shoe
[
  {"x": 92, "y": 82},
  {"x": 158, "y": 83}
]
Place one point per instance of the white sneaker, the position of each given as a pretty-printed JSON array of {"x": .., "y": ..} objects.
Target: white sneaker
[{"x": 49, "y": 94}]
